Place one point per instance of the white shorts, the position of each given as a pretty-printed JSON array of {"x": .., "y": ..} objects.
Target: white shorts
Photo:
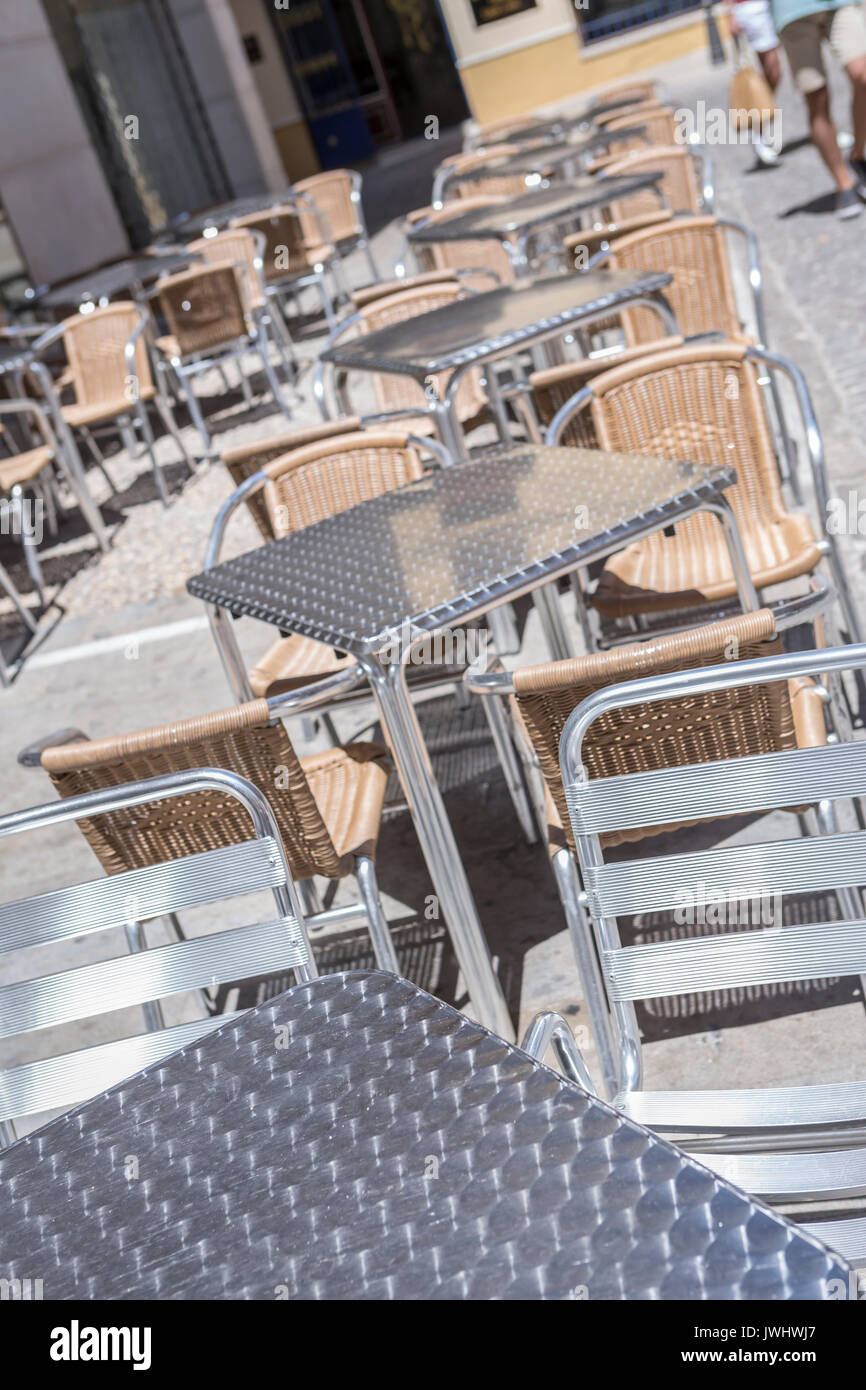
[{"x": 756, "y": 22}]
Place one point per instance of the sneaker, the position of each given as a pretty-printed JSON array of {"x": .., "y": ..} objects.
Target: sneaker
[
  {"x": 766, "y": 155},
  {"x": 848, "y": 203},
  {"x": 858, "y": 169}
]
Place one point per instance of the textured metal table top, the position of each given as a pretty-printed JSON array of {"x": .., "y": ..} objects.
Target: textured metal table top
[
  {"x": 112, "y": 279},
  {"x": 535, "y": 209},
  {"x": 535, "y": 129},
  {"x": 453, "y": 544},
  {"x": 547, "y": 156},
  {"x": 481, "y": 325},
  {"x": 356, "y": 1138},
  {"x": 223, "y": 213}
]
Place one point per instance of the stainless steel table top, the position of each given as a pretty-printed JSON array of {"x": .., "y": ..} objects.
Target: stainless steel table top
[
  {"x": 472, "y": 329},
  {"x": 538, "y": 208},
  {"x": 111, "y": 280},
  {"x": 223, "y": 213},
  {"x": 357, "y": 1138},
  {"x": 551, "y": 156},
  {"x": 455, "y": 543}
]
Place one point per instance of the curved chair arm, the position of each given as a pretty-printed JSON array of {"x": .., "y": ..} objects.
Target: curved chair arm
[
  {"x": 320, "y": 218},
  {"x": 756, "y": 280},
  {"x": 319, "y": 693},
  {"x": 814, "y": 441},
  {"x": 31, "y": 756},
  {"x": 25, "y": 406},
  {"x": 598, "y": 259},
  {"x": 214, "y": 541},
  {"x": 131, "y": 343},
  {"x": 487, "y": 676},
  {"x": 442, "y": 456},
  {"x": 467, "y": 272},
  {"x": 704, "y": 162},
  {"x": 579, "y": 401},
  {"x": 49, "y": 337},
  {"x": 549, "y": 1029}
]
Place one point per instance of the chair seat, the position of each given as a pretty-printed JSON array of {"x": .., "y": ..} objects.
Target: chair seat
[
  {"x": 23, "y": 468},
  {"x": 94, "y": 413},
  {"x": 293, "y": 661},
  {"x": 349, "y": 787},
  {"x": 692, "y": 566}
]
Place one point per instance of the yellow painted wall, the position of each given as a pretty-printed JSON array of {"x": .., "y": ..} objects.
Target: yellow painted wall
[{"x": 558, "y": 68}]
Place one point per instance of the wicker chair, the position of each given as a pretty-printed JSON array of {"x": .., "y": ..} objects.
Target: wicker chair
[
  {"x": 753, "y": 720},
  {"x": 205, "y": 312},
  {"x": 327, "y": 807},
  {"x": 553, "y": 387},
  {"x": 636, "y": 91},
  {"x": 480, "y": 265},
  {"x": 397, "y": 395},
  {"x": 366, "y": 295},
  {"x": 703, "y": 402},
  {"x": 244, "y": 250},
  {"x": 447, "y": 177},
  {"x": 31, "y": 470},
  {"x": 683, "y": 184},
  {"x": 109, "y": 372},
  {"x": 297, "y": 252},
  {"x": 337, "y": 196}
]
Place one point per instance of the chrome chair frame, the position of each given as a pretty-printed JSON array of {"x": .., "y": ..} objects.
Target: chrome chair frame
[
  {"x": 787, "y": 1143},
  {"x": 137, "y": 413},
  {"x": 146, "y": 975},
  {"x": 827, "y": 543}
]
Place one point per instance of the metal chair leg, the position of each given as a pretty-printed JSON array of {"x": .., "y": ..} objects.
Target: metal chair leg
[
  {"x": 166, "y": 415},
  {"x": 141, "y": 416},
  {"x": 194, "y": 408},
  {"x": 383, "y": 946},
  {"x": 273, "y": 382},
  {"x": 152, "y": 1009},
  {"x": 592, "y": 984},
  {"x": 29, "y": 544},
  {"x": 510, "y": 764}
]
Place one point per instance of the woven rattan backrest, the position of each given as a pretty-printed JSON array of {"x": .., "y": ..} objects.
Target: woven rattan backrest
[
  {"x": 203, "y": 308},
  {"x": 504, "y": 184},
  {"x": 310, "y": 484},
  {"x": 723, "y": 724},
  {"x": 699, "y": 402},
  {"x": 247, "y": 459},
  {"x": 399, "y": 393},
  {"x": 94, "y": 345},
  {"x": 635, "y": 92},
  {"x": 332, "y": 194},
  {"x": 553, "y": 386},
  {"x": 463, "y": 255},
  {"x": 679, "y": 184},
  {"x": 292, "y": 240},
  {"x": 240, "y": 739},
  {"x": 235, "y": 247},
  {"x": 369, "y": 293},
  {"x": 702, "y": 297}
]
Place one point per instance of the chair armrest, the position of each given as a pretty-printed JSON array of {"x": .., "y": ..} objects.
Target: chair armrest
[
  {"x": 319, "y": 693},
  {"x": 31, "y": 756},
  {"x": 487, "y": 676},
  {"x": 549, "y": 1029},
  {"x": 25, "y": 406}
]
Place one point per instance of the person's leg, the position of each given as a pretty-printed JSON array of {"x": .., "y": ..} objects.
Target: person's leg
[
  {"x": 771, "y": 65},
  {"x": 823, "y": 133},
  {"x": 848, "y": 42},
  {"x": 801, "y": 41}
]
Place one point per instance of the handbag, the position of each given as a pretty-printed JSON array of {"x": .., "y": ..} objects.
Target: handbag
[{"x": 751, "y": 104}]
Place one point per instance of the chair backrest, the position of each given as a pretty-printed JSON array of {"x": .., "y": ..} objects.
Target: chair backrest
[
  {"x": 292, "y": 239},
  {"x": 94, "y": 345},
  {"x": 633, "y": 90},
  {"x": 448, "y": 173},
  {"x": 246, "y": 459},
  {"x": 309, "y": 484},
  {"x": 203, "y": 307},
  {"x": 465, "y": 255},
  {"x": 236, "y": 246},
  {"x": 244, "y": 739},
  {"x": 694, "y": 250},
  {"x": 337, "y": 196},
  {"x": 400, "y": 393},
  {"x": 700, "y": 402},
  {"x": 216, "y": 869},
  {"x": 659, "y": 125},
  {"x": 553, "y": 386},
  {"x": 366, "y": 294},
  {"x": 732, "y": 875},
  {"x": 671, "y": 733},
  {"x": 679, "y": 184}
]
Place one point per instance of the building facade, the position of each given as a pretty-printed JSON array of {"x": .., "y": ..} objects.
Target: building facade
[{"x": 118, "y": 115}]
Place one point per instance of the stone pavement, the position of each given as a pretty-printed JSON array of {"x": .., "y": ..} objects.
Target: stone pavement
[{"x": 133, "y": 650}]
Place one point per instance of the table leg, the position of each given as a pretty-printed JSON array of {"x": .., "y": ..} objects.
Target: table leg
[{"x": 388, "y": 683}]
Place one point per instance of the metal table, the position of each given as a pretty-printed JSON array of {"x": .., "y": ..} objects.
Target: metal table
[
  {"x": 99, "y": 286},
  {"x": 561, "y": 125},
  {"x": 356, "y": 1138},
  {"x": 483, "y": 327},
  {"x": 565, "y": 158},
  {"x": 376, "y": 580},
  {"x": 220, "y": 216},
  {"x": 515, "y": 221}
]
